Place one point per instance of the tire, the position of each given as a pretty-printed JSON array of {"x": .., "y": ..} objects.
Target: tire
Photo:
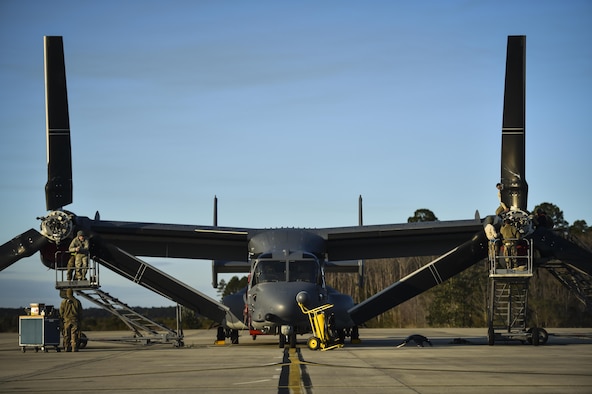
[
  {"x": 490, "y": 336},
  {"x": 543, "y": 335},
  {"x": 282, "y": 341},
  {"x": 220, "y": 334},
  {"x": 536, "y": 339},
  {"x": 234, "y": 337},
  {"x": 313, "y": 343},
  {"x": 83, "y": 341}
]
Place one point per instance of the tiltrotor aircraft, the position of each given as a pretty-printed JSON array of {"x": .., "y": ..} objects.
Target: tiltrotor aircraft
[{"x": 285, "y": 266}]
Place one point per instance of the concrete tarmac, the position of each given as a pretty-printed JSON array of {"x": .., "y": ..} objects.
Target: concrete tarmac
[{"x": 460, "y": 361}]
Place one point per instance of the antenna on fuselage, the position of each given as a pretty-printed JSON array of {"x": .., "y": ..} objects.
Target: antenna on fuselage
[
  {"x": 215, "y": 211},
  {"x": 360, "y": 212},
  {"x": 360, "y": 262}
]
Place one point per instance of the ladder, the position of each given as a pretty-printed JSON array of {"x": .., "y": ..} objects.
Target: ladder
[
  {"x": 510, "y": 300},
  {"x": 145, "y": 330},
  {"x": 574, "y": 279},
  {"x": 507, "y": 307}
]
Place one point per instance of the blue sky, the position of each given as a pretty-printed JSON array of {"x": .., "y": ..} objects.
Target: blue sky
[{"x": 287, "y": 111}]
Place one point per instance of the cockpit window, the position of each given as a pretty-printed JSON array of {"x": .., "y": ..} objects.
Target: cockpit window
[
  {"x": 303, "y": 271},
  {"x": 298, "y": 271},
  {"x": 270, "y": 271}
]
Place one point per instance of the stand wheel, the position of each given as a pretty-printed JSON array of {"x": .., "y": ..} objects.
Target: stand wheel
[
  {"x": 82, "y": 341},
  {"x": 535, "y": 337},
  {"x": 541, "y": 337},
  {"x": 490, "y": 336},
  {"x": 314, "y": 343}
]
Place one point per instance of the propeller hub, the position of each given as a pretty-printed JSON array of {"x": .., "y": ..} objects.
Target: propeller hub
[
  {"x": 57, "y": 226},
  {"x": 520, "y": 219}
]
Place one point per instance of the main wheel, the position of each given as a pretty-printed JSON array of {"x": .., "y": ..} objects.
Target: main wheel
[
  {"x": 313, "y": 343},
  {"x": 220, "y": 334},
  {"x": 282, "y": 341},
  {"x": 234, "y": 337}
]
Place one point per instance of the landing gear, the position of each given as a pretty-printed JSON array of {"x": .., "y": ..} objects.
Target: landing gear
[
  {"x": 282, "y": 341},
  {"x": 355, "y": 335},
  {"x": 220, "y": 335},
  {"x": 234, "y": 337},
  {"x": 289, "y": 338}
]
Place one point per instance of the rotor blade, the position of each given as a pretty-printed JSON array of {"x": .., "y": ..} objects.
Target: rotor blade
[
  {"x": 515, "y": 190},
  {"x": 138, "y": 271},
  {"x": 24, "y": 245},
  {"x": 432, "y": 274},
  {"x": 58, "y": 189},
  {"x": 552, "y": 246}
]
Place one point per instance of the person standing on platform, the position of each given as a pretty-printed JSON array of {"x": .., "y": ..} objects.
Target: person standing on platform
[{"x": 79, "y": 246}]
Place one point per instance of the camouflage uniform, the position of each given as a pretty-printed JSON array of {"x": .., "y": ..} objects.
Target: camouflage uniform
[
  {"x": 79, "y": 246},
  {"x": 511, "y": 236},
  {"x": 71, "y": 314}
]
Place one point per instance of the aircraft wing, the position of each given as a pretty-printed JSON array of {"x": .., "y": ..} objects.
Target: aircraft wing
[
  {"x": 173, "y": 240},
  {"x": 231, "y": 244},
  {"x": 398, "y": 240}
]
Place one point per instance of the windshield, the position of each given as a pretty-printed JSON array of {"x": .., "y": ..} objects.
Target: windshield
[
  {"x": 304, "y": 271},
  {"x": 275, "y": 271},
  {"x": 270, "y": 271}
]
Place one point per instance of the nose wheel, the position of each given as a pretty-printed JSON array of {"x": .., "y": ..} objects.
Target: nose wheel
[{"x": 291, "y": 339}]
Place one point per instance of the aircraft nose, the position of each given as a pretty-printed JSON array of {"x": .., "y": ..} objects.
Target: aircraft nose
[{"x": 279, "y": 304}]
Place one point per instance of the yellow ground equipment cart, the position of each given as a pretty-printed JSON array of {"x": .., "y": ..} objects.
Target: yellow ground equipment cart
[{"x": 321, "y": 338}]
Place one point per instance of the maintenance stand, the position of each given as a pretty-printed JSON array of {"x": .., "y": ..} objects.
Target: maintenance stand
[
  {"x": 507, "y": 309},
  {"x": 145, "y": 330}
]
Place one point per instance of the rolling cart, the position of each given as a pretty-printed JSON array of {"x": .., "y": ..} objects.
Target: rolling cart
[{"x": 39, "y": 333}]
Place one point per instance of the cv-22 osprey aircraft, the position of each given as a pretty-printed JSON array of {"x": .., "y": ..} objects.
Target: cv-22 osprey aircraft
[{"x": 286, "y": 266}]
